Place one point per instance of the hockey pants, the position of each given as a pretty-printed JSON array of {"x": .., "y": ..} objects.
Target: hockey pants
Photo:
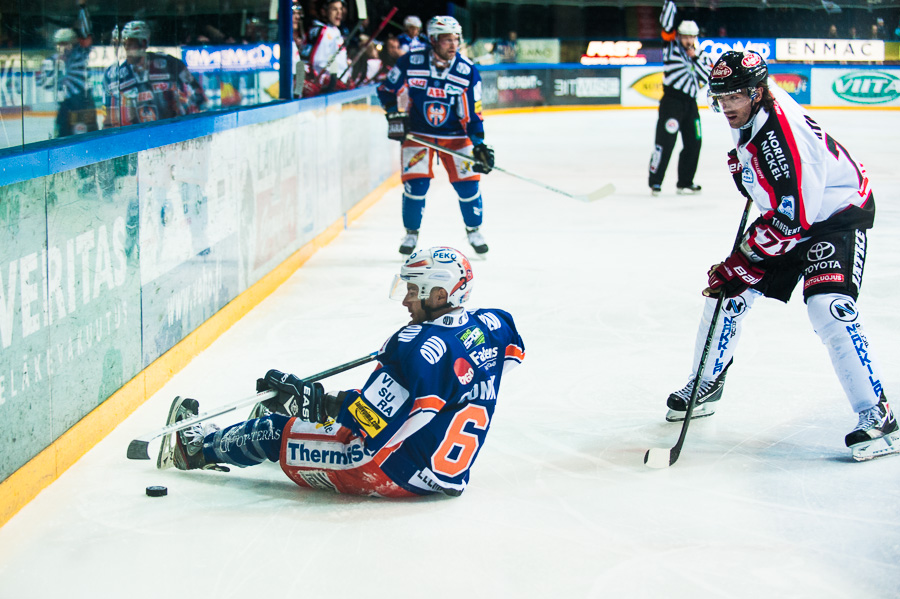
[{"x": 677, "y": 112}]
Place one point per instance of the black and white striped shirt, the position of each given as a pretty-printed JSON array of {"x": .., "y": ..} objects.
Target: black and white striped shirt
[
  {"x": 681, "y": 72},
  {"x": 684, "y": 73}
]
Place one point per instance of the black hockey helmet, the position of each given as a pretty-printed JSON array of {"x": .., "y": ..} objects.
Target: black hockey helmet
[{"x": 737, "y": 71}]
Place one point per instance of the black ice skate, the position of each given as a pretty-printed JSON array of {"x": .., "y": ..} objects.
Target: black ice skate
[
  {"x": 655, "y": 189},
  {"x": 186, "y": 451},
  {"x": 476, "y": 239},
  {"x": 687, "y": 189},
  {"x": 408, "y": 244},
  {"x": 877, "y": 433},
  {"x": 709, "y": 393}
]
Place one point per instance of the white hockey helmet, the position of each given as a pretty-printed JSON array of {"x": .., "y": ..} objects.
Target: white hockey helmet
[
  {"x": 412, "y": 21},
  {"x": 138, "y": 30},
  {"x": 688, "y": 28},
  {"x": 437, "y": 267},
  {"x": 64, "y": 36},
  {"x": 443, "y": 24}
]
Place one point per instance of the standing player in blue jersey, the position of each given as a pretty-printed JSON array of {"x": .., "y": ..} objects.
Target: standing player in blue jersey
[
  {"x": 416, "y": 426},
  {"x": 410, "y": 39},
  {"x": 435, "y": 93}
]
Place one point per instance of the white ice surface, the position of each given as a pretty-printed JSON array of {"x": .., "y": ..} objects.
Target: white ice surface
[{"x": 764, "y": 501}]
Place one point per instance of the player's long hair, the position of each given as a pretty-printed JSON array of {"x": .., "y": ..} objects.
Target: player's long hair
[{"x": 768, "y": 100}]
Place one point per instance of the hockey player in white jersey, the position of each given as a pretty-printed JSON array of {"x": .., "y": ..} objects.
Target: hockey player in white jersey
[
  {"x": 816, "y": 203},
  {"x": 414, "y": 428}
]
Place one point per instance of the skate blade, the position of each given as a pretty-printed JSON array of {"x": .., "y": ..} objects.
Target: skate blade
[
  {"x": 877, "y": 448},
  {"x": 166, "y": 458},
  {"x": 701, "y": 411}
]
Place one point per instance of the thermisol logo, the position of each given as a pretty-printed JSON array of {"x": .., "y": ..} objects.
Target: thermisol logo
[{"x": 867, "y": 87}]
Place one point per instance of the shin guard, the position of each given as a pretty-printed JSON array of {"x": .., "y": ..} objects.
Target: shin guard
[{"x": 837, "y": 323}]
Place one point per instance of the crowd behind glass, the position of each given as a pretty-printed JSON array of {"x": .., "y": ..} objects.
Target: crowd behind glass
[{"x": 70, "y": 72}]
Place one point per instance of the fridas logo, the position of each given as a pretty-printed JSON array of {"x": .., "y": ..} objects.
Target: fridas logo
[{"x": 867, "y": 87}]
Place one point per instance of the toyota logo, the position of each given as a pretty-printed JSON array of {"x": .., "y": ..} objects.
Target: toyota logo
[{"x": 820, "y": 251}]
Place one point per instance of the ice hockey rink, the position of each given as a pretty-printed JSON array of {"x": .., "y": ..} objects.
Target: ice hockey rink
[{"x": 764, "y": 501}]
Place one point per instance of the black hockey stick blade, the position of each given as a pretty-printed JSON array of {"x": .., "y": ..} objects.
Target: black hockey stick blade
[{"x": 138, "y": 449}]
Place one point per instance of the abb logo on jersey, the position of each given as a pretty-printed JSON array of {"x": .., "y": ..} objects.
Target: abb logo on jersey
[
  {"x": 483, "y": 355},
  {"x": 464, "y": 371}
]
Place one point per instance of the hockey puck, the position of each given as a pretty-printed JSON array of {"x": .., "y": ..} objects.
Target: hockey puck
[{"x": 157, "y": 491}]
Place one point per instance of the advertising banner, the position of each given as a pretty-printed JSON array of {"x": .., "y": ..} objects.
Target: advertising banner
[
  {"x": 536, "y": 50},
  {"x": 715, "y": 47},
  {"x": 516, "y": 87},
  {"x": 93, "y": 302},
  {"x": 825, "y": 50},
  {"x": 550, "y": 87},
  {"x": 69, "y": 302},
  {"x": 642, "y": 86},
  {"x": 188, "y": 236},
  {"x": 794, "y": 79},
  {"x": 855, "y": 87},
  {"x": 585, "y": 86},
  {"x": 24, "y": 335}
]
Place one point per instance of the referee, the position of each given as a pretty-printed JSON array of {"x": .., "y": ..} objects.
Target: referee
[{"x": 686, "y": 68}]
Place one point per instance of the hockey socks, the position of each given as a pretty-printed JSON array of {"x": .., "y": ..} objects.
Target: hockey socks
[{"x": 246, "y": 443}]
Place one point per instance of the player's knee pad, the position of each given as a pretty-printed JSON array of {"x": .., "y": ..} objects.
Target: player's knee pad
[
  {"x": 838, "y": 324},
  {"x": 727, "y": 333},
  {"x": 415, "y": 189},
  {"x": 830, "y": 314},
  {"x": 467, "y": 190}
]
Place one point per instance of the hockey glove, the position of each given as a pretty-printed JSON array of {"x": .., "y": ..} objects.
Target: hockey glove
[
  {"x": 737, "y": 171},
  {"x": 484, "y": 155},
  {"x": 398, "y": 125},
  {"x": 310, "y": 396},
  {"x": 733, "y": 276}
]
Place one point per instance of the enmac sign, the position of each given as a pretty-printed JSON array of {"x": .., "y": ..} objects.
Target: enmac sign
[{"x": 819, "y": 50}]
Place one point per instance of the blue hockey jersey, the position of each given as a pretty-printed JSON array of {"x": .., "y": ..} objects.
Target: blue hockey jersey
[
  {"x": 425, "y": 412},
  {"x": 442, "y": 103}
]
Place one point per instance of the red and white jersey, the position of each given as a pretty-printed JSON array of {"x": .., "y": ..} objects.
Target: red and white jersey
[
  {"x": 322, "y": 43},
  {"x": 799, "y": 177}
]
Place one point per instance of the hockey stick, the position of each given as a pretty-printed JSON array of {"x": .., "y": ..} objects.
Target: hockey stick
[
  {"x": 137, "y": 449},
  {"x": 343, "y": 45},
  {"x": 371, "y": 41},
  {"x": 659, "y": 457},
  {"x": 604, "y": 191}
]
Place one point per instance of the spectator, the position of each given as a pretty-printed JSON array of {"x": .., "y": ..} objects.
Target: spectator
[
  {"x": 390, "y": 52},
  {"x": 368, "y": 67},
  {"x": 148, "y": 86},
  {"x": 324, "y": 52},
  {"x": 411, "y": 38},
  {"x": 879, "y": 31},
  {"x": 508, "y": 50},
  {"x": 299, "y": 35},
  {"x": 852, "y": 33},
  {"x": 254, "y": 31},
  {"x": 77, "y": 112},
  {"x": 832, "y": 32}
]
